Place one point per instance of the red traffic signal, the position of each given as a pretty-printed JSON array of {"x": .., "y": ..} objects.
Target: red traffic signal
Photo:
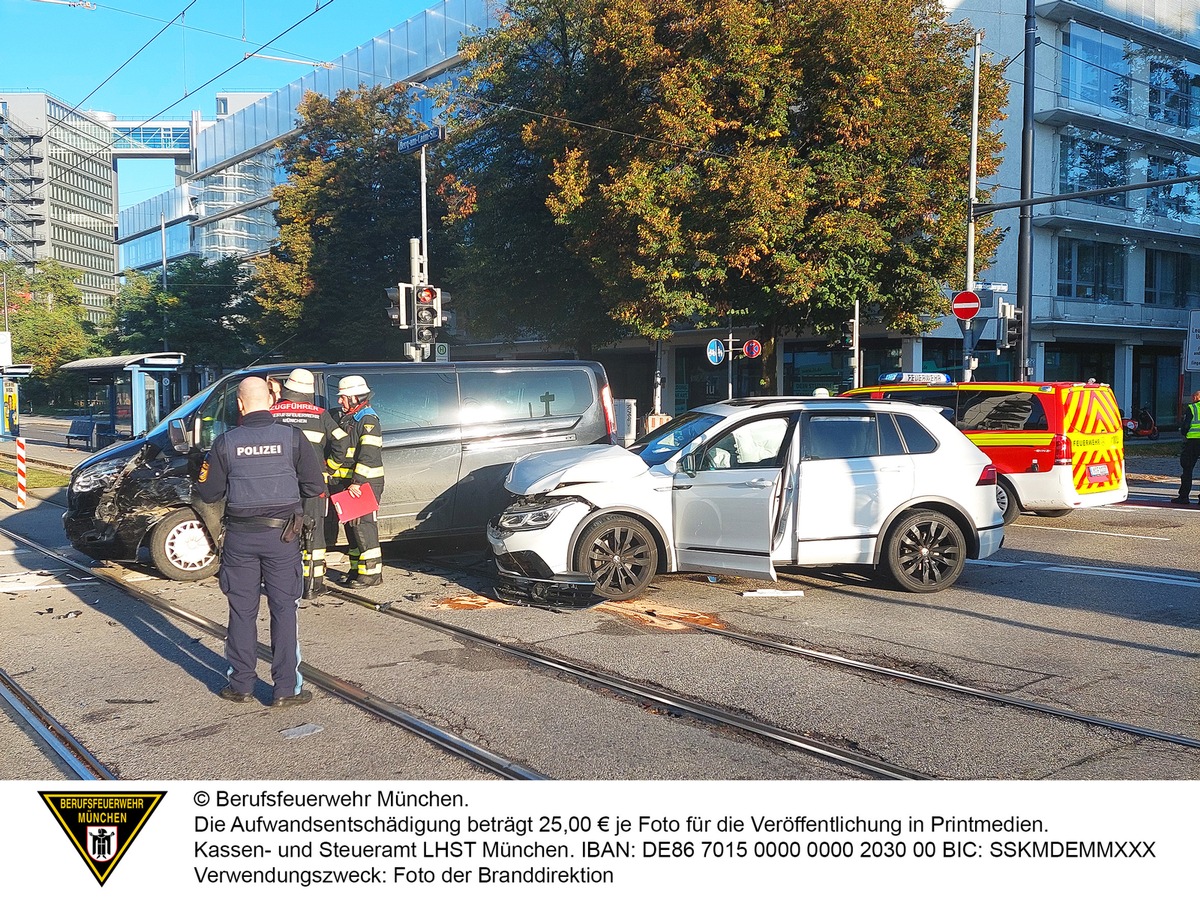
[{"x": 427, "y": 313}]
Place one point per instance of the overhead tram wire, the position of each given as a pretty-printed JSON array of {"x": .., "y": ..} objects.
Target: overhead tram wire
[
  {"x": 137, "y": 53},
  {"x": 221, "y": 74}
]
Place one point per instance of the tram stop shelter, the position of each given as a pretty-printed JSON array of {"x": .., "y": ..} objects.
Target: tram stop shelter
[{"x": 125, "y": 393}]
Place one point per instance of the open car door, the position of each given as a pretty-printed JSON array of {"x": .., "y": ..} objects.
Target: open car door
[{"x": 728, "y": 499}]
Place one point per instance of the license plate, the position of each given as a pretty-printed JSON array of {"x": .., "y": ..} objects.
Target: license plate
[{"x": 1098, "y": 472}]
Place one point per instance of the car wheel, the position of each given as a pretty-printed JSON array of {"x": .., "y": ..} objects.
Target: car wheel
[
  {"x": 620, "y": 554},
  {"x": 1054, "y": 513},
  {"x": 181, "y": 549},
  {"x": 925, "y": 551},
  {"x": 1007, "y": 500}
]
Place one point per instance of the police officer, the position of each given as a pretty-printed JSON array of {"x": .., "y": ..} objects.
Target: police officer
[
  {"x": 263, "y": 469},
  {"x": 364, "y": 466},
  {"x": 1190, "y": 453},
  {"x": 295, "y": 407}
]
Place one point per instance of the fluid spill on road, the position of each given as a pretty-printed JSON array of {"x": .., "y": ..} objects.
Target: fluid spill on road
[
  {"x": 656, "y": 615},
  {"x": 473, "y": 601}
]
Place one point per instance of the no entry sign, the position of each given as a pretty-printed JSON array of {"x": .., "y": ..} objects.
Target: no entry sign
[{"x": 965, "y": 305}]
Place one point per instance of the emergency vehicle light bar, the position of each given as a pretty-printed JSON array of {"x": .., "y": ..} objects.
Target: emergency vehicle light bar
[{"x": 915, "y": 378}]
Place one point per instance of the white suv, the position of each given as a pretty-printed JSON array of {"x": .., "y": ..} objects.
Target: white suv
[{"x": 743, "y": 487}]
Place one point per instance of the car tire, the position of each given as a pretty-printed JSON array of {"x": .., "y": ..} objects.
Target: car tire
[
  {"x": 620, "y": 553},
  {"x": 1007, "y": 500},
  {"x": 181, "y": 549},
  {"x": 925, "y": 551},
  {"x": 1054, "y": 513}
]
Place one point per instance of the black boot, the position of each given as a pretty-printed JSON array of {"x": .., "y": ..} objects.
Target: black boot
[
  {"x": 366, "y": 581},
  {"x": 315, "y": 588}
]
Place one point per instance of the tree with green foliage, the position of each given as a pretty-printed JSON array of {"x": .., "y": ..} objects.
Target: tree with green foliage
[
  {"x": 45, "y": 316},
  {"x": 708, "y": 160},
  {"x": 346, "y": 213},
  {"x": 517, "y": 274},
  {"x": 203, "y": 311}
]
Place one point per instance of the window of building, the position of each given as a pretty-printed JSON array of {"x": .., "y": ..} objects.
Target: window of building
[
  {"x": 1091, "y": 270},
  {"x": 1085, "y": 165},
  {"x": 1174, "y": 93},
  {"x": 1172, "y": 279},
  {"x": 1175, "y": 201},
  {"x": 1095, "y": 67}
]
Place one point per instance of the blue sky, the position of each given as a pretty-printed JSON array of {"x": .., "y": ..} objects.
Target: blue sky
[{"x": 70, "y": 51}]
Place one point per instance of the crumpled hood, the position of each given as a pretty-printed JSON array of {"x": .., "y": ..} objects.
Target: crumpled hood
[{"x": 546, "y": 470}]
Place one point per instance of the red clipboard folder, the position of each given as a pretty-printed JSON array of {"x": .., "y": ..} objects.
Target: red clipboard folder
[{"x": 349, "y": 507}]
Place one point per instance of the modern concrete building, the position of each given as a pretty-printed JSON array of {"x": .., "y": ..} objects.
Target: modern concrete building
[{"x": 58, "y": 192}]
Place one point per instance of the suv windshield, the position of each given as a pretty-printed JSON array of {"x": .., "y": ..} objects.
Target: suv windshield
[{"x": 664, "y": 442}]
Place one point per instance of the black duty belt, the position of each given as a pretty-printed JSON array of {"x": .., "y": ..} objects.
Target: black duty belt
[{"x": 260, "y": 521}]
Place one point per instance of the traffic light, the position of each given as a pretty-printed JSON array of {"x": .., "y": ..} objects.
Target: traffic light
[
  {"x": 1009, "y": 327},
  {"x": 427, "y": 313},
  {"x": 398, "y": 311}
]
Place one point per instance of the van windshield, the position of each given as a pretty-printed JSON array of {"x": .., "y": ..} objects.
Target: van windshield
[{"x": 158, "y": 433}]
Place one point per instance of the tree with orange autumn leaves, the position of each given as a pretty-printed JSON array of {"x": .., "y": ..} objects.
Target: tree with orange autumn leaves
[{"x": 647, "y": 163}]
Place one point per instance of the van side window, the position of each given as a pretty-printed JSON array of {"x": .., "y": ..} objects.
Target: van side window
[
  {"x": 916, "y": 438},
  {"x": 1001, "y": 411},
  {"x": 944, "y": 399},
  {"x": 841, "y": 437},
  {"x": 413, "y": 399},
  {"x": 523, "y": 394}
]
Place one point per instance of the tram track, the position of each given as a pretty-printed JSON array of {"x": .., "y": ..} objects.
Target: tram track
[
  {"x": 786, "y": 647},
  {"x": 58, "y": 742},
  {"x": 652, "y": 696},
  {"x": 332, "y": 684}
]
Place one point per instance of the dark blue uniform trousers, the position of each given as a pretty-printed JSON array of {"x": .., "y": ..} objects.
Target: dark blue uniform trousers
[{"x": 251, "y": 560}]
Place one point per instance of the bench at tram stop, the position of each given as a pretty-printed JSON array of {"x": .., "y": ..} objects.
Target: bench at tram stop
[{"x": 82, "y": 430}]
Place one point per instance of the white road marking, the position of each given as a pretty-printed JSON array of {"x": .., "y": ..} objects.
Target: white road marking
[{"x": 1139, "y": 537}]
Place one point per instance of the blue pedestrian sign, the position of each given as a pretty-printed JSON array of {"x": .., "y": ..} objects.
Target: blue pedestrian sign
[{"x": 716, "y": 351}]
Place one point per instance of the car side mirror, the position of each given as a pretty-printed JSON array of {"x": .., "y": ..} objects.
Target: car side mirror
[
  {"x": 178, "y": 435},
  {"x": 688, "y": 464}
]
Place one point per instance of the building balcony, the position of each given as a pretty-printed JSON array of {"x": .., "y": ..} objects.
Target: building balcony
[
  {"x": 1064, "y": 311},
  {"x": 1168, "y": 26},
  {"x": 1161, "y": 219},
  {"x": 1134, "y": 124}
]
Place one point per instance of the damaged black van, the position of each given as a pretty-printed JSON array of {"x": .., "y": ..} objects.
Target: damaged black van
[{"x": 451, "y": 431}]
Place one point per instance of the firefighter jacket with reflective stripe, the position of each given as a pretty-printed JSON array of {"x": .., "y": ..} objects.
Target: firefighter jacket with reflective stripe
[
  {"x": 261, "y": 468},
  {"x": 1193, "y": 429},
  {"x": 327, "y": 437},
  {"x": 366, "y": 453}
]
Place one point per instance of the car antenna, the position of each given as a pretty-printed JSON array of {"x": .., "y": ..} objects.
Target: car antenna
[{"x": 272, "y": 350}]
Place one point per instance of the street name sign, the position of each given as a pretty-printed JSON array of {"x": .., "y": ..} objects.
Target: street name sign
[{"x": 420, "y": 139}]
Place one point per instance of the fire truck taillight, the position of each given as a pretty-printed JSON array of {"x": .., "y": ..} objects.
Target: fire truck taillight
[
  {"x": 1062, "y": 450},
  {"x": 987, "y": 476}
]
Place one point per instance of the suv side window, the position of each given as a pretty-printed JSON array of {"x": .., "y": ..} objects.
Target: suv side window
[
  {"x": 757, "y": 444},
  {"x": 944, "y": 399},
  {"x": 916, "y": 438},
  {"x": 523, "y": 394},
  {"x": 841, "y": 436},
  {"x": 1001, "y": 411}
]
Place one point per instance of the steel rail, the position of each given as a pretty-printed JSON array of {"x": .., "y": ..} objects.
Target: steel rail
[
  {"x": 657, "y": 696},
  {"x": 446, "y": 740},
  {"x": 1007, "y": 699},
  {"x": 64, "y": 745},
  {"x": 1182, "y": 740}
]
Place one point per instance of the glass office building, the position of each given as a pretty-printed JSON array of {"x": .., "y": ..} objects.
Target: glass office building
[{"x": 225, "y": 206}]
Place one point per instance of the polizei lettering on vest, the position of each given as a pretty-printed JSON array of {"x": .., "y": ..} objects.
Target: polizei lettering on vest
[{"x": 261, "y": 450}]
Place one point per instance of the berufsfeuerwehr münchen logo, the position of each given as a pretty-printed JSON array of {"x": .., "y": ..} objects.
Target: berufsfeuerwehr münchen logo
[{"x": 101, "y": 824}]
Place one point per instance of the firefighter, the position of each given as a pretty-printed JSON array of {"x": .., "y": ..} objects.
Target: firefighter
[
  {"x": 364, "y": 465},
  {"x": 262, "y": 469},
  {"x": 295, "y": 407}
]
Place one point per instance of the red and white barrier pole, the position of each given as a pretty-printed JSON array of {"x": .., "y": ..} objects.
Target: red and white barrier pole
[{"x": 22, "y": 493}]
